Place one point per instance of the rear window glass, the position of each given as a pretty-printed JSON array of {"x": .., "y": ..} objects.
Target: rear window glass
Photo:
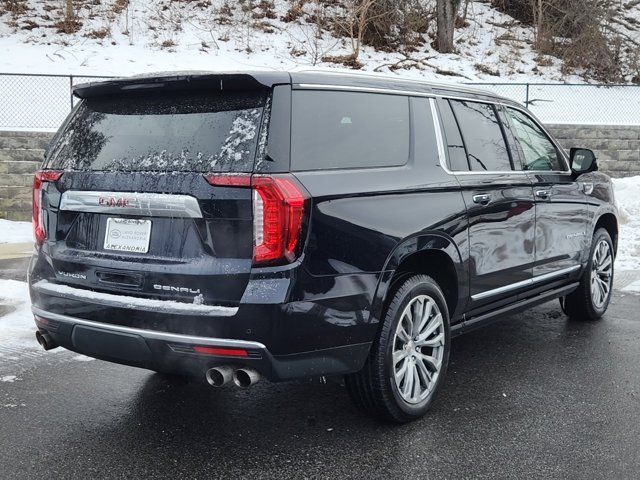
[
  {"x": 482, "y": 133},
  {"x": 168, "y": 132},
  {"x": 348, "y": 130}
]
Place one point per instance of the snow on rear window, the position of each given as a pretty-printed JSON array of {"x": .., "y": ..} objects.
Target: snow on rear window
[{"x": 177, "y": 132}]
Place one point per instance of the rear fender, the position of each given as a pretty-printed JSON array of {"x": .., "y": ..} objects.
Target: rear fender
[{"x": 406, "y": 248}]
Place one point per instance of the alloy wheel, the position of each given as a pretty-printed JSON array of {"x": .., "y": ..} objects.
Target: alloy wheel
[
  {"x": 418, "y": 349},
  {"x": 601, "y": 273}
]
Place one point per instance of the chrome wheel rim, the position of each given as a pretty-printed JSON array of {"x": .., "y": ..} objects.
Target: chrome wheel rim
[
  {"x": 601, "y": 273},
  {"x": 418, "y": 349}
]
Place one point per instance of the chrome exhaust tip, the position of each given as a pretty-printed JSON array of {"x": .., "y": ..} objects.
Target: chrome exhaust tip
[
  {"x": 45, "y": 340},
  {"x": 219, "y": 376},
  {"x": 245, "y": 377}
]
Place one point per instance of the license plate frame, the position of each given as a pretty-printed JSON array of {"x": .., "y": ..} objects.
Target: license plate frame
[{"x": 128, "y": 235}]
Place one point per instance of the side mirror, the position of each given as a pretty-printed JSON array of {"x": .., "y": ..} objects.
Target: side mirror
[{"x": 583, "y": 160}]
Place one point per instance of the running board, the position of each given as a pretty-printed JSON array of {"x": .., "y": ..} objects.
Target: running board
[{"x": 469, "y": 324}]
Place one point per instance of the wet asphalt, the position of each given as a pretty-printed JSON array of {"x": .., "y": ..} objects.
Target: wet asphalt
[{"x": 535, "y": 395}]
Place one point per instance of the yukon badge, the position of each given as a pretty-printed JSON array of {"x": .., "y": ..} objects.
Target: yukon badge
[
  {"x": 171, "y": 288},
  {"x": 79, "y": 276}
]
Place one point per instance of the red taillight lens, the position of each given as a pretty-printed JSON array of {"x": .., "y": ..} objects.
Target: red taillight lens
[
  {"x": 229, "y": 179},
  {"x": 278, "y": 219},
  {"x": 280, "y": 207},
  {"x": 41, "y": 177}
]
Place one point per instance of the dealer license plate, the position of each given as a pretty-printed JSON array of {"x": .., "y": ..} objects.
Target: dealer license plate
[{"x": 127, "y": 235}]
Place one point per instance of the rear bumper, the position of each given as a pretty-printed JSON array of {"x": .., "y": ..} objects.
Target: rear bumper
[{"x": 172, "y": 352}]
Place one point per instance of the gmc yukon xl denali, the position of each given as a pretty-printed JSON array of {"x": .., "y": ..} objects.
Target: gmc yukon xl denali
[{"x": 279, "y": 225}]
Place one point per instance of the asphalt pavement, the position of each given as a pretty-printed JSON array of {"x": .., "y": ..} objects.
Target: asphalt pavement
[{"x": 535, "y": 395}]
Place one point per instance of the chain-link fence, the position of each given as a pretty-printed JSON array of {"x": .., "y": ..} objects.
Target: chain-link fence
[
  {"x": 41, "y": 102},
  {"x": 37, "y": 102},
  {"x": 574, "y": 104}
]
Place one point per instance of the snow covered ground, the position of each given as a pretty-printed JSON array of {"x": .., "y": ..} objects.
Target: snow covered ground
[
  {"x": 15, "y": 232},
  {"x": 627, "y": 193}
]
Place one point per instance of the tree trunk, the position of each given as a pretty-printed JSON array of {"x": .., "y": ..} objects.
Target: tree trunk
[
  {"x": 446, "y": 11},
  {"x": 69, "y": 11}
]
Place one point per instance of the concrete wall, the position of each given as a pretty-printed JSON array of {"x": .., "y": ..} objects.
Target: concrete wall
[{"x": 617, "y": 148}]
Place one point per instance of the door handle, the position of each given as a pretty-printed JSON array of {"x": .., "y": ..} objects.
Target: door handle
[
  {"x": 483, "y": 199},
  {"x": 542, "y": 193}
]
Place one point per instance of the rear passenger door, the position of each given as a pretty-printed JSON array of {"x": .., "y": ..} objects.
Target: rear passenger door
[
  {"x": 561, "y": 210},
  {"x": 498, "y": 197}
]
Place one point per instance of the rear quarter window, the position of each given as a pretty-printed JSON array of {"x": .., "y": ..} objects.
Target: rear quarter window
[{"x": 332, "y": 130}]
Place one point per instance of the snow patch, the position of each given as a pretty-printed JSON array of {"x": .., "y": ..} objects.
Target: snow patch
[
  {"x": 633, "y": 287},
  {"x": 16, "y": 326},
  {"x": 8, "y": 378},
  {"x": 83, "y": 358},
  {"x": 15, "y": 232},
  {"x": 627, "y": 194}
]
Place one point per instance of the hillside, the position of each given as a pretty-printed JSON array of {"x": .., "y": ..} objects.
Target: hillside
[{"x": 119, "y": 37}]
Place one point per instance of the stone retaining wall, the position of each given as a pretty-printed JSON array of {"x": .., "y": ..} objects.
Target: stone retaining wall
[
  {"x": 20, "y": 155},
  {"x": 617, "y": 149}
]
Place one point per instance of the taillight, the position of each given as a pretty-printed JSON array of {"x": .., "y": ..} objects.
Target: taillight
[
  {"x": 280, "y": 209},
  {"x": 41, "y": 176}
]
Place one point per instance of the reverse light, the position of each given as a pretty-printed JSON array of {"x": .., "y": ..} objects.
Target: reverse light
[
  {"x": 280, "y": 210},
  {"x": 41, "y": 177}
]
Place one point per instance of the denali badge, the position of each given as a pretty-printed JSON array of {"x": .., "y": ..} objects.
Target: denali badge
[
  {"x": 79, "y": 276},
  {"x": 170, "y": 288},
  {"x": 114, "y": 202}
]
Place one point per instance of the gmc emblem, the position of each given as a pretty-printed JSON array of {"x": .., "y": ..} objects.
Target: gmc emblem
[{"x": 113, "y": 202}]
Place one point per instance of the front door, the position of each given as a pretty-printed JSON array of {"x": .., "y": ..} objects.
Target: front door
[
  {"x": 561, "y": 233},
  {"x": 498, "y": 197}
]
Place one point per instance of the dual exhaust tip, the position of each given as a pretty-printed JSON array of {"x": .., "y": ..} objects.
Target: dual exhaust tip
[{"x": 242, "y": 377}]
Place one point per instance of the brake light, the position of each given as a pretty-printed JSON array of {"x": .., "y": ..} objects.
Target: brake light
[
  {"x": 278, "y": 219},
  {"x": 41, "y": 176},
  {"x": 280, "y": 209}
]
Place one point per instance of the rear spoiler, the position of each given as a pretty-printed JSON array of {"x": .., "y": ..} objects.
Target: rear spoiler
[{"x": 186, "y": 81}]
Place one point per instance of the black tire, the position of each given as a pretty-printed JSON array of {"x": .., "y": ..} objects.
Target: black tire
[
  {"x": 373, "y": 389},
  {"x": 580, "y": 305}
]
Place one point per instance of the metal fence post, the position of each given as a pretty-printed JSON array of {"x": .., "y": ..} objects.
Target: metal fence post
[
  {"x": 71, "y": 91},
  {"x": 526, "y": 99}
]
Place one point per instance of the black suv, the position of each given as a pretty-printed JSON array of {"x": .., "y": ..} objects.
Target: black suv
[{"x": 285, "y": 225}]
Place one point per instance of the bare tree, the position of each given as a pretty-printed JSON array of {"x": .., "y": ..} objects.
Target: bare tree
[
  {"x": 446, "y": 19},
  {"x": 359, "y": 15}
]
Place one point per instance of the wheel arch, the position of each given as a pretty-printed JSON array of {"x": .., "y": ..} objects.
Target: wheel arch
[
  {"x": 433, "y": 254},
  {"x": 609, "y": 222}
]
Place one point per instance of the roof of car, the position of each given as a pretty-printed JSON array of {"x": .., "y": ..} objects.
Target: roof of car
[{"x": 313, "y": 78}]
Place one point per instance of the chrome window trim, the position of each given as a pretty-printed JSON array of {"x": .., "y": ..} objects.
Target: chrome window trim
[
  {"x": 524, "y": 283},
  {"x": 151, "y": 334},
  {"x": 148, "y": 204},
  {"x": 430, "y": 95}
]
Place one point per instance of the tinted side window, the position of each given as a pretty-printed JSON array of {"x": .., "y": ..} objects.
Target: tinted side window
[
  {"x": 455, "y": 146},
  {"x": 348, "y": 130},
  {"x": 538, "y": 150},
  {"x": 482, "y": 134}
]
